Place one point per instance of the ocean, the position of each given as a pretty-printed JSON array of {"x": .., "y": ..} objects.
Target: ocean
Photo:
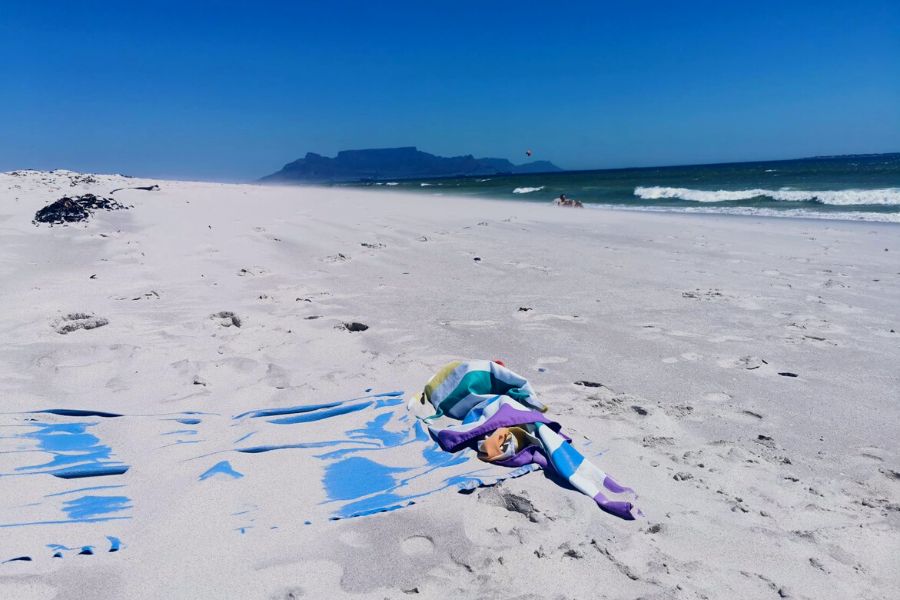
[{"x": 858, "y": 187}]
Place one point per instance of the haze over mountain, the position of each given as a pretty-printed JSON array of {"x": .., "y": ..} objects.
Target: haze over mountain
[{"x": 396, "y": 163}]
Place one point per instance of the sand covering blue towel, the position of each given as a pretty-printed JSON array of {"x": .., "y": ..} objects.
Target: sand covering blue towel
[{"x": 502, "y": 419}]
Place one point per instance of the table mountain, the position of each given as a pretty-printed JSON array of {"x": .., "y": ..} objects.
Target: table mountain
[{"x": 396, "y": 163}]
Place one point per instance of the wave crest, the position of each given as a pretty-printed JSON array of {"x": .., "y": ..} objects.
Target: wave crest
[
  {"x": 527, "y": 190},
  {"x": 883, "y": 196},
  {"x": 876, "y": 217}
]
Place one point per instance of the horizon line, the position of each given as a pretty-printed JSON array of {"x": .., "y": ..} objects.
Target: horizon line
[{"x": 562, "y": 171}]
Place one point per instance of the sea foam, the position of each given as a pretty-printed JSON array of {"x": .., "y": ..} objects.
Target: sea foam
[
  {"x": 882, "y": 196},
  {"x": 750, "y": 211},
  {"x": 527, "y": 190}
]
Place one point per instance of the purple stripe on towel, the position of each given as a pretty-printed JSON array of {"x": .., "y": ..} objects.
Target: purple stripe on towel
[
  {"x": 610, "y": 484},
  {"x": 506, "y": 416},
  {"x": 619, "y": 509}
]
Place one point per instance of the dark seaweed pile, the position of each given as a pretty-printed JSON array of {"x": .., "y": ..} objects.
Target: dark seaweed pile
[{"x": 73, "y": 210}]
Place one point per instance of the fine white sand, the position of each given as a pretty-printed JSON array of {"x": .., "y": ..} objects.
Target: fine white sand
[{"x": 754, "y": 484}]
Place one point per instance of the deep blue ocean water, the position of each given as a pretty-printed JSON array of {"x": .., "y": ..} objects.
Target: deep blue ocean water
[{"x": 859, "y": 187}]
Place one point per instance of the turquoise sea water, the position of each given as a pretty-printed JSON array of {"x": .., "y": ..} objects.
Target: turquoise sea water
[{"x": 860, "y": 187}]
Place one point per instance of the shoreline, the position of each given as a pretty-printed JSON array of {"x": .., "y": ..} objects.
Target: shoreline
[{"x": 700, "y": 209}]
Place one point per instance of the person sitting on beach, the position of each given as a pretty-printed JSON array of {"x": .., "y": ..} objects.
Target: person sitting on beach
[{"x": 563, "y": 201}]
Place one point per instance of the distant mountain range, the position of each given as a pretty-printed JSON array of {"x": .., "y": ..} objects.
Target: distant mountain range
[{"x": 396, "y": 163}]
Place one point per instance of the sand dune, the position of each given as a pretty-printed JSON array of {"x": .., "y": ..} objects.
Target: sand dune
[{"x": 189, "y": 411}]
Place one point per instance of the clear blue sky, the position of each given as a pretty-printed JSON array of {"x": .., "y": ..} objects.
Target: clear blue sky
[{"x": 233, "y": 90}]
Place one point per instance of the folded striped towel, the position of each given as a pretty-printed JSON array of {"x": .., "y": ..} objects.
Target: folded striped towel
[
  {"x": 460, "y": 385},
  {"x": 511, "y": 429}
]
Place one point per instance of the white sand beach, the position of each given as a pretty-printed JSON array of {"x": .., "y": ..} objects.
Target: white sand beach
[{"x": 742, "y": 376}]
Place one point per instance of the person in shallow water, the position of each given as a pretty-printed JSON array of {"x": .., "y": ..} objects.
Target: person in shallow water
[{"x": 564, "y": 201}]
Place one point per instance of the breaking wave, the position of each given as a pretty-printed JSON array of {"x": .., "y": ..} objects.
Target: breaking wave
[
  {"x": 883, "y": 196},
  {"x": 527, "y": 190},
  {"x": 749, "y": 211}
]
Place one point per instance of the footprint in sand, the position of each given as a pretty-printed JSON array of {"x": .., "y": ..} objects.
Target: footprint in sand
[
  {"x": 75, "y": 321},
  {"x": 226, "y": 318},
  {"x": 892, "y": 474},
  {"x": 717, "y": 397},
  {"x": 417, "y": 545},
  {"x": 750, "y": 363},
  {"x": 252, "y": 271},
  {"x": 277, "y": 377},
  {"x": 608, "y": 403},
  {"x": 810, "y": 323},
  {"x": 708, "y": 295},
  {"x": 151, "y": 295},
  {"x": 814, "y": 340},
  {"x": 679, "y": 411}
]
